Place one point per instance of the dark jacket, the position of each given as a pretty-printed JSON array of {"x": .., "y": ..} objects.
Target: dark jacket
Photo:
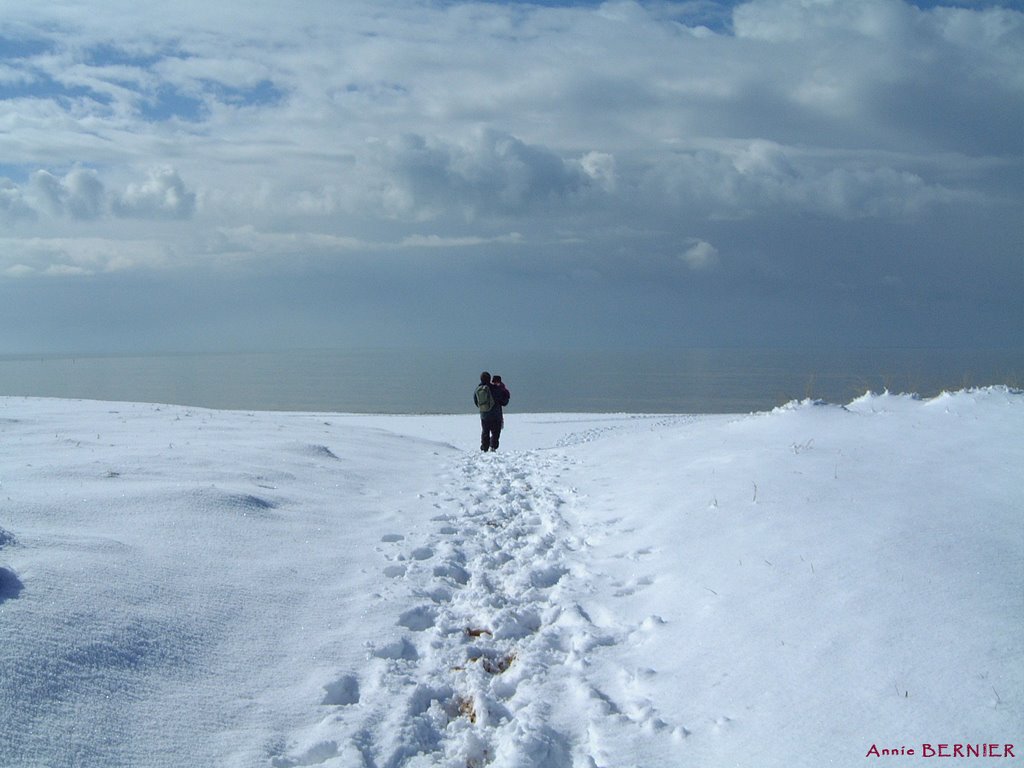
[
  {"x": 500, "y": 393},
  {"x": 501, "y": 396},
  {"x": 495, "y": 413}
]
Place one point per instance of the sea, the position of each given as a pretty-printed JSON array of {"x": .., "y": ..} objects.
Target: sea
[{"x": 418, "y": 381}]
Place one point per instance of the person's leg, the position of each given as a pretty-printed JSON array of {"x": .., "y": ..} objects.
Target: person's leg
[
  {"x": 485, "y": 436},
  {"x": 495, "y": 434}
]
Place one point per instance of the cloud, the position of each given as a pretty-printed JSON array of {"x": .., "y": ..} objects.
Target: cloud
[
  {"x": 163, "y": 195},
  {"x": 700, "y": 256},
  {"x": 764, "y": 178},
  {"x": 79, "y": 193},
  {"x": 600, "y": 167},
  {"x": 68, "y": 256},
  {"x": 885, "y": 74},
  {"x": 552, "y": 105},
  {"x": 605, "y": 134},
  {"x": 248, "y": 240},
  {"x": 436, "y": 241},
  {"x": 782, "y": 21},
  {"x": 489, "y": 173},
  {"x": 13, "y": 206}
]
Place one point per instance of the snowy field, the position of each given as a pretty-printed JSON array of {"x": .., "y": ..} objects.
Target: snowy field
[{"x": 183, "y": 587}]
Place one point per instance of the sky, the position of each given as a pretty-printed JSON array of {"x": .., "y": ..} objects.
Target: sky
[{"x": 205, "y": 176}]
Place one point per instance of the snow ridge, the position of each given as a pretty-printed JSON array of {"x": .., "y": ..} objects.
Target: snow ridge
[{"x": 494, "y": 636}]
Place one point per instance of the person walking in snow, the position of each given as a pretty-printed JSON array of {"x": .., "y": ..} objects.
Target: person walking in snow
[{"x": 488, "y": 400}]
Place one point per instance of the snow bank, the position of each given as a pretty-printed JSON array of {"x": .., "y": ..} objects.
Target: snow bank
[{"x": 796, "y": 588}]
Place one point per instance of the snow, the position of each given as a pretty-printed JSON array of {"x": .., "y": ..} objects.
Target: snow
[{"x": 181, "y": 586}]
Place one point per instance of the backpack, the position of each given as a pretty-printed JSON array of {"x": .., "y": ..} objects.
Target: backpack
[{"x": 483, "y": 398}]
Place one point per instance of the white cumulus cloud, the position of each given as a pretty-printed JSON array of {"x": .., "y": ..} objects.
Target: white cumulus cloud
[
  {"x": 162, "y": 195},
  {"x": 79, "y": 194}
]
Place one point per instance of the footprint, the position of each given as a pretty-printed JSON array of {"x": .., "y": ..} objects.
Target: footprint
[
  {"x": 652, "y": 622},
  {"x": 423, "y": 697},
  {"x": 422, "y": 553},
  {"x": 723, "y": 723},
  {"x": 316, "y": 755},
  {"x": 438, "y": 594},
  {"x": 492, "y": 662},
  {"x": 606, "y": 702},
  {"x": 320, "y": 451},
  {"x": 456, "y": 573},
  {"x": 392, "y": 537},
  {"x": 394, "y": 571},
  {"x": 518, "y": 624},
  {"x": 398, "y": 650},
  {"x": 631, "y": 588},
  {"x": 418, "y": 619},
  {"x": 543, "y": 578},
  {"x": 343, "y": 691},
  {"x": 10, "y": 585}
]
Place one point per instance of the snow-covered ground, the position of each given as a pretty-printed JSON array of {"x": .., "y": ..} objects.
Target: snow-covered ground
[{"x": 186, "y": 587}]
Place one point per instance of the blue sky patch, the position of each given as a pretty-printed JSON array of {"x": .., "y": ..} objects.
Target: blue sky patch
[
  {"x": 170, "y": 103},
  {"x": 14, "y": 48},
  {"x": 42, "y": 86},
  {"x": 108, "y": 55},
  {"x": 264, "y": 93},
  {"x": 15, "y": 172}
]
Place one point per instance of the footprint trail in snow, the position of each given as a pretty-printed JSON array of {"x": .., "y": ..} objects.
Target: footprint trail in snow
[{"x": 493, "y": 636}]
